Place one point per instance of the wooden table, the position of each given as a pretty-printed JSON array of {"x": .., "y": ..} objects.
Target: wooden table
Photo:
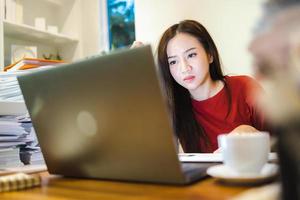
[{"x": 55, "y": 187}]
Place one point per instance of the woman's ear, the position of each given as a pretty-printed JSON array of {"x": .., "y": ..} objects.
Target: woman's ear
[{"x": 210, "y": 58}]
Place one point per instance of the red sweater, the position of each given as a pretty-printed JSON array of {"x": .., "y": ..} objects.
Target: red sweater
[{"x": 211, "y": 113}]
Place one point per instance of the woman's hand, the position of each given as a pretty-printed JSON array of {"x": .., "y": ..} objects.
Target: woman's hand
[
  {"x": 241, "y": 129},
  {"x": 136, "y": 44},
  {"x": 244, "y": 129}
]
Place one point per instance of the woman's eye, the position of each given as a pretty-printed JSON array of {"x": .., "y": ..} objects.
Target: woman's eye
[
  {"x": 192, "y": 55},
  {"x": 173, "y": 62}
]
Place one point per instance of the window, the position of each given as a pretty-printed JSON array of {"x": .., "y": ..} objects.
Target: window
[{"x": 120, "y": 23}]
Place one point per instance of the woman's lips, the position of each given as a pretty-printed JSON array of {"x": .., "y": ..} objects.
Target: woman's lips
[{"x": 189, "y": 78}]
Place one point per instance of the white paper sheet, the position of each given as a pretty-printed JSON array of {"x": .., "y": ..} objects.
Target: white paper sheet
[
  {"x": 25, "y": 169},
  {"x": 12, "y": 108},
  {"x": 210, "y": 157}
]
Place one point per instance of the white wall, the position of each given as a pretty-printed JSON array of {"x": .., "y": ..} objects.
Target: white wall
[
  {"x": 90, "y": 29},
  {"x": 1, "y": 35},
  {"x": 230, "y": 23}
]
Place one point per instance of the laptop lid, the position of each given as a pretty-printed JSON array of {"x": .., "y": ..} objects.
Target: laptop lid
[{"x": 104, "y": 117}]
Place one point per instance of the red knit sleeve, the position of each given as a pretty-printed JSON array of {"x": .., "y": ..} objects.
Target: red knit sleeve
[{"x": 252, "y": 91}]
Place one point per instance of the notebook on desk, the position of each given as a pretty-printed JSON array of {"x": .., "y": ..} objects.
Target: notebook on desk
[{"x": 106, "y": 118}]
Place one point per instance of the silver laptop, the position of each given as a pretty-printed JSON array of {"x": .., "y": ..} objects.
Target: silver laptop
[{"x": 106, "y": 117}]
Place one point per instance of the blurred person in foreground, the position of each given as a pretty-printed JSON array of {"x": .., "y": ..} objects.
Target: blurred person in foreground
[{"x": 276, "y": 52}]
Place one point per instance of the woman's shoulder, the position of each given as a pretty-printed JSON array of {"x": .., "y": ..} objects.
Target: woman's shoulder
[
  {"x": 243, "y": 84},
  {"x": 241, "y": 81},
  {"x": 239, "y": 78}
]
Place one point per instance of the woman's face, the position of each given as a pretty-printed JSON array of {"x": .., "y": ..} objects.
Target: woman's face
[{"x": 188, "y": 61}]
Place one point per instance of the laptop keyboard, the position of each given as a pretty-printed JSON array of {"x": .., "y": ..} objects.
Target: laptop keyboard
[{"x": 195, "y": 170}]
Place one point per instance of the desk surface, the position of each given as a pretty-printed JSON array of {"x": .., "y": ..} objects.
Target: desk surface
[{"x": 54, "y": 187}]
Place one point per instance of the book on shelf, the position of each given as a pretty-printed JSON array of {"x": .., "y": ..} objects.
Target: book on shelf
[
  {"x": 29, "y": 63},
  {"x": 10, "y": 10},
  {"x": 13, "y": 11}
]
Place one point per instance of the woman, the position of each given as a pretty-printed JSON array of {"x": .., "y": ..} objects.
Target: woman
[{"x": 203, "y": 102}]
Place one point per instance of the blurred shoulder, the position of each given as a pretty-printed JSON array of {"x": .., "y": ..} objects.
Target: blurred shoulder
[
  {"x": 241, "y": 81},
  {"x": 244, "y": 85}
]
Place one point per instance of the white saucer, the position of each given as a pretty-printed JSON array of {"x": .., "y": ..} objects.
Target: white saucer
[{"x": 224, "y": 174}]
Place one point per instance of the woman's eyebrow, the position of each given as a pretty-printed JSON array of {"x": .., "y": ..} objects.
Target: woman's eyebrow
[
  {"x": 189, "y": 49},
  {"x": 184, "y": 52},
  {"x": 171, "y": 57}
]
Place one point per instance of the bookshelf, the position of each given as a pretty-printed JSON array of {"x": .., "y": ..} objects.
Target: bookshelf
[
  {"x": 30, "y": 33},
  {"x": 77, "y": 22},
  {"x": 56, "y": 2}
]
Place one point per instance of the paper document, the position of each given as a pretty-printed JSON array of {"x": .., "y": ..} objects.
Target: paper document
[
  {"x": 210, "y": 157},
  {"x": 12, "y": 107},
  {"x": 24, "y": 169}
]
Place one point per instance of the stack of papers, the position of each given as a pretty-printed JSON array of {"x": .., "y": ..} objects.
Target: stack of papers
[
  {"x": 9, "y": 157},
  {"x": 18, "y": 142},
  {"x": 11, "y": 98},
  {"x": 16, "y": 132},
  {"x": 32, "y": 156},
  {"x": 9, "y": 86},
  {"x": 11, "y": 133},
  {"x": 31, "y": 152},
  {"x": 12, "y": 136}
]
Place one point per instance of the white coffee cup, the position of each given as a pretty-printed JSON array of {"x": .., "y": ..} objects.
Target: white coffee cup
[{"x": 245, "y": 153}]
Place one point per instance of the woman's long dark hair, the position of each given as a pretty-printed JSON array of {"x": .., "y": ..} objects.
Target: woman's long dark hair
[{"x": 187, "y": 129}]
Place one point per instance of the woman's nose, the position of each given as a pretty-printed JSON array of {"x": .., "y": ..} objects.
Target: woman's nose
[{"x": 185, "y": 66}]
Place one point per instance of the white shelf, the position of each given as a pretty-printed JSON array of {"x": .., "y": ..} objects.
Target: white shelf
[
  {"x": 55, "y": 2},
  {"x": 26, "y": 32}
]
